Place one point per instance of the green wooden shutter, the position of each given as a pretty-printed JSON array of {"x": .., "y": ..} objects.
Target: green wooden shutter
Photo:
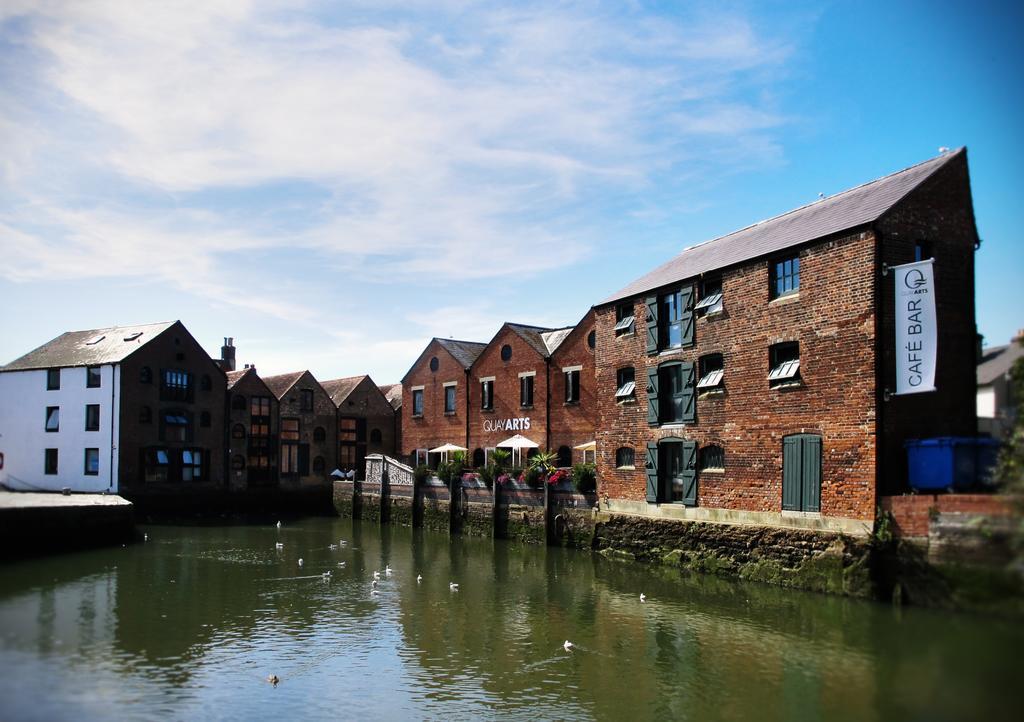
[
  {"x": 686, "y": 327},
  {"x": 689, "y": 380},
  {"x": 652, "y": 473},
  {"x": 652, "y": 325},
  {"x": 652, "y": 396},
  {"x": 689, "y": 473},
  {"x": 791, "y": 459},
  {"x": 810, "y": 476}
]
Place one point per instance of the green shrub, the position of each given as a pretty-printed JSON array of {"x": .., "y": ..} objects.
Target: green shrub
[
  {"x": 584, "y": 477},
  {"x": 487, "y": 474},
  {"x": 500, "y": 458},
  {"x": 533, "y": 476}
]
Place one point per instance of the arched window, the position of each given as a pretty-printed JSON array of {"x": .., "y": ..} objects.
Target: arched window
[
  {"x": 624, "y": 457},
  {"x": 205, "y": 383},
  {"x": 146, "y": 375},
  {"x": 238, "y": 462},
  {"x": 318, "y": 465},
  {"x": 564, "y": 456},
  {"x": 478, "y": 458},
  {"x": 506, "y": 352},
  {"x": 712, "y": 457},
  {"x": 375, "y": 436},
  {"x": 204, "y": 419},
  {"x": 237, "y": 431},
  {"x": 319, "y": 434},
  {"x": 592, "y": 340},
  {"x": 238, "y": 402},
  {"x": 145, "y": 415},
  {"x": 434, "y": 363}
]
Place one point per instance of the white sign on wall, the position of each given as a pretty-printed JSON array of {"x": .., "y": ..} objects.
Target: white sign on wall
[
  {"x": 518, "y": 424},
  {"x": 916, "y": 328}
]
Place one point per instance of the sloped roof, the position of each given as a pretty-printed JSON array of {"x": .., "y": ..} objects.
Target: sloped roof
[
  {"x": 535, "y": 336},
  {"x": 465, "y": 352},
  {"x": 553, "y": 339},
  {"x": 339, "y": 389},
  {"x": 89, "y": 348},
  {"x": 997, "y": 361},
  {"x": 393, "y": 393},
  {"x": 280, "y": 384},
  {"x": 235, "y": 376},
  {"x": 840, "y": 212}
]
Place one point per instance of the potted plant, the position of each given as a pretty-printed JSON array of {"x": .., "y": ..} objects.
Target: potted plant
[{"x": 584, "y": 478}]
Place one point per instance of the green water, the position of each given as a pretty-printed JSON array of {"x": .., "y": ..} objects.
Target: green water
[{"x": 190, "y": 624}]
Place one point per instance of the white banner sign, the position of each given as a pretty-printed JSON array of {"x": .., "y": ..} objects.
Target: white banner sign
[{"x": 916, "y": 329}]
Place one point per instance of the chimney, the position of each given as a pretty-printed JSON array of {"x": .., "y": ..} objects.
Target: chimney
[
  {"x": 1019, "y": 338},
  {"x": 227, "y": 354}
]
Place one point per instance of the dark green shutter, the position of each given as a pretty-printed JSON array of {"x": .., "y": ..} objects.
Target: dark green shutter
[
  {"x": 689, "y": 379},
  {"x": 652, "y": 325},
  {"x": 791, "y": 458},
  {"x": 303, "y": 459},
  {"x": 811, "y": 473},
  {"x": 652, "y": 396},
  {"x": 689, "y": 473},
  {"x": 686, "y": 325},
  {"x": 652, "y": 473}
]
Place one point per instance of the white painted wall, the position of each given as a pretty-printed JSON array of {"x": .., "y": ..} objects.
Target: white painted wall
[
  {"x": 986, "y": 402},
  {"x": 23, "y": 435}
]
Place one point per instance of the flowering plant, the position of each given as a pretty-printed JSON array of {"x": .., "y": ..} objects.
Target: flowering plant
[
  {"x": 504, "y": 479},
  {"x": 557, "y": 476}
]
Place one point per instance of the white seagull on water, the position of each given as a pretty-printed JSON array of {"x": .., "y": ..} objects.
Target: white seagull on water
[
  {"x": 454, "y": 586},
  {"x": 643, "y": 597},
  {"x": 376, "y": 574},
  {"x": 278, "y": 525},
  {"x": 569, "y": 646},
  {"x": 300, "y": 561},
  {"x": 332, "y": 546},
  {"x": 388, "y": 570},
  {"x": 279, "y": 545},
  {"x": 419, "y": 578}
]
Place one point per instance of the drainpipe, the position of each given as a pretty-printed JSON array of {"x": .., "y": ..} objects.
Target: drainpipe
[
  {"x": 113, "y": 411},
  {"x": 880, "y": 375},
  {"x": 467, "y": 411},
  {"x": 547, "y": 406}
]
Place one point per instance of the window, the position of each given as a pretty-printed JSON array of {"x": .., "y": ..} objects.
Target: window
[
  {"x": 306, "y": 396},
  {"x": 624, "y": 458},
  {"x": 52, "y": 379},
  {"x": 506, "y": 353},
  {"x": 526, "y": 391},
  {"x": 145, "y": 375},
  {"x": 710, "y": 296},
  {"x": 347, "y": 456},
  {"x": 237, "y": 431},
  {"x": 259, "y": 412},
  {"x": 784, "y": 360},
  {"x": 319, "y": 465},
  {"x": 156, "y": 465},
  {"x": 785, "y": 276},
  {"x": 592, "y": 340},
  {"x": 175, "y": 426},
  {"x": 50, "y": 461},
  {"x": 417, "y": 402},
  {"x": 53, "y": 418},
  {"x": 204, "y": 419},
  {"x": 479, "y": 459},
  {"x": 92, "y": 377},
  {"x": 711, "y": 458},
  {"x": 175, "y": 385},
  {"x": 801, "y": 472},
  {"x": 434, "y": 364},
  {"x": 487, "y": 394},
  {"x": 238, "y": 463},
  {"x": 624, "y": 320},
  {"x": 205, "y": 383},
  {"x": 670, "y": 394},
  {"x": 375, "y": 436},
  {"x": 237, "y": 402},
  {"x": 711, "y": 373},
  {"x": 348, "y": 430},
  {"x": 672, "y": 472},
  {"x": 92, "y": 462},
  {"x": 564, "y": 459},
  {"x": 572, "y": 385},
  {"x": 319, "y": 434},
  {"x": 289, "y": 429},
  {"x": 670, "y": 320},
  {"x": 191, "y": 465},
  {"x": 449, "y": 399},
  {"x": 922, "y": 251},
  {"x": 95, "y": 340},
  {"x": 145, "y": 415},
  {"x": 289, "y": 459},
  {"x": 420, "y": 456},
  {"x": 92, "y": 417},
  {"x": 625, "y": 382},
  {"x": 132, "y": 336}
]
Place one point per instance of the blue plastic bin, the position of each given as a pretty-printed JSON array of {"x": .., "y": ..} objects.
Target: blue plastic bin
[{"x": 950, "y": 462}]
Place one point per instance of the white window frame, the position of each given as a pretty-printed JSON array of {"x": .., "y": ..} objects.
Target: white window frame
[
  {"x": 711, "y": 380},
  {"x": 425, "y": 456}
]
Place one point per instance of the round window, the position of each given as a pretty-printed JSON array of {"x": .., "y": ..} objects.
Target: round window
[
  {"x": 506, "y": 352},
  {"x": 434, "y": 364},
  {"x": 592, "y": 339}
]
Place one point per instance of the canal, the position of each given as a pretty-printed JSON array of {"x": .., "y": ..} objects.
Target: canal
[{"x": 190, "y": 624}]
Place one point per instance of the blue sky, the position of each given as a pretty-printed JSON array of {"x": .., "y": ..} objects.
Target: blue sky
[{"x": 334, "y": 183}]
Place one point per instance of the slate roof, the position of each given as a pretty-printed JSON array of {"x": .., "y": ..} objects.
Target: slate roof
[
  {"x": 553, "y": 339},
  {"x": 235, "y": 376},
  {"x": 393, "y": 393},
  {"x": 339, "y": 389},
  {"x": 280, "y": 384},
  {"x": 997, "y": 361},
  {"x": 840, "y": 212},
  {"x": 465, "y": 352},
  {"x": 73, "y": 348},
  {"x": 543, "y": 340}
]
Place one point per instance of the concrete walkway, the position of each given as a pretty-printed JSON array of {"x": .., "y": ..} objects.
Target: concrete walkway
[{"x": 40, "y": 500}]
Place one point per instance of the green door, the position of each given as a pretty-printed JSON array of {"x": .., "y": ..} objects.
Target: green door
[{"x": 801, "y": 472}]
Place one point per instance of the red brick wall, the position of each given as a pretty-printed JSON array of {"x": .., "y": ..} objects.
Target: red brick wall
[
  {"x": 833, "y": 320},
  {"x": 324, "y": 415},
  {"x": 912, "y": 514},
  {"x": 940, "y": 212},
  {"x": 248, "y": 386},
  {"x": 434, "y": 428},
  {"x": 367, "y": 402},
  {"x": 574, "y": 424}
]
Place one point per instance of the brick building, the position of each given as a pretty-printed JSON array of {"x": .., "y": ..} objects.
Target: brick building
[
  {"x": 393, "y": 393},
  {"x": 252, "y": 420},
  {"x": 307, "y": 429},
  {"x": 128, "y": 409},
  {"x": 366, "y": 421},
  {"x": 746, "y": 379}
]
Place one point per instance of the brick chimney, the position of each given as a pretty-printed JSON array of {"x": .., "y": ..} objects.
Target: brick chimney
[{"x": 227, "y": 354}]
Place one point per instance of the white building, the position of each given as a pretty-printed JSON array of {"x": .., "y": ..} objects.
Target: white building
[{"x": 996, "y": 406}]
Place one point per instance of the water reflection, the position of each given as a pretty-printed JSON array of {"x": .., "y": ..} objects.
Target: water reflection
[{"x": 190, "y": 624}]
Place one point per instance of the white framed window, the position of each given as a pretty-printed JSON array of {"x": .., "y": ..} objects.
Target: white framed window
[{"x": 711, "y": 372}]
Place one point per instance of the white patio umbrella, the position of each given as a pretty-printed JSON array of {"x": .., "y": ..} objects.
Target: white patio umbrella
[
  {"x": 445, "y": 448},
  {"x": 590, "y": 446},
  {"x": 517, "y": 443}
]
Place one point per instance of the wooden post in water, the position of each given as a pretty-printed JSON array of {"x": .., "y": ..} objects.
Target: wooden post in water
[
  {"x": 385, "y": 492},
  {"x": 417, "y": 503},
  {"x": 547, "y": 512}
]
